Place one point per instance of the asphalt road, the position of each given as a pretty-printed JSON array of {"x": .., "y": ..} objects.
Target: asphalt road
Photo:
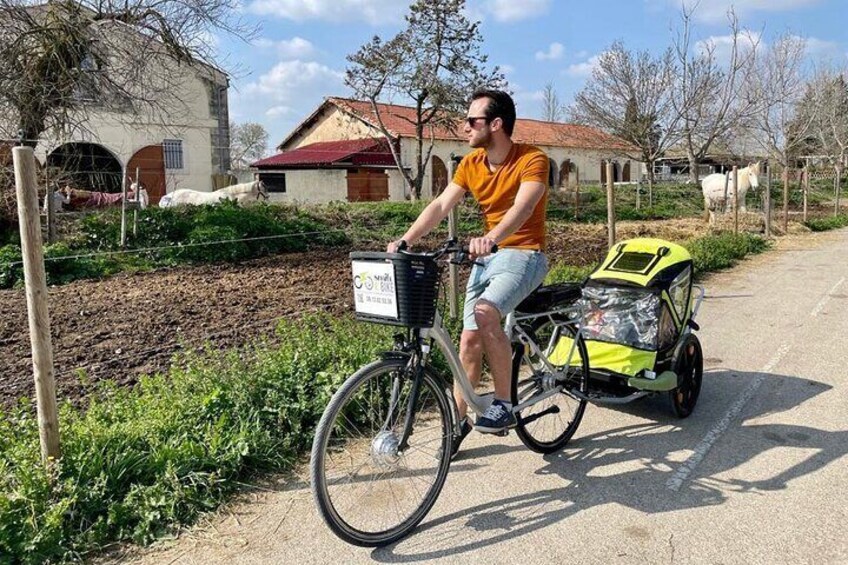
[{"x": 756, "y": 475}]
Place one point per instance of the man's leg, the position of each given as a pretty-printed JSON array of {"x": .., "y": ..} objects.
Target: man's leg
[
  {"x": 471, "y": 356},
  {"x": 497, "y": 347}
]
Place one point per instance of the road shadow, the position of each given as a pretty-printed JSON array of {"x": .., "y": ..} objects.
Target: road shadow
[{"x": 632, "y": 466}]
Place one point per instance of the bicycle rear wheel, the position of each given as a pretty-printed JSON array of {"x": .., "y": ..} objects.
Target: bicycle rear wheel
[
  {"x": 547, "y": 425},
  {"x": 370, "y": 490}
]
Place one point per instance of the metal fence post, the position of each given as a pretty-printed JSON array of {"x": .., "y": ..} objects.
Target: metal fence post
[
  {"x": 453, "y": 272},
  {"x": 35, "y": 281}
]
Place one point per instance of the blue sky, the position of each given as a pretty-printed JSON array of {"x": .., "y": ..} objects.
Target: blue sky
[{"x": 298, "y": 57}]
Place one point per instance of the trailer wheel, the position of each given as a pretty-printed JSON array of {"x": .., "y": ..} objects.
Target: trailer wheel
[{"x": 689, "y": 366}]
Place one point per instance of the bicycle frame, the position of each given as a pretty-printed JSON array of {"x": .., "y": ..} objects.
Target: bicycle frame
[{"x": 479, "y": 402}]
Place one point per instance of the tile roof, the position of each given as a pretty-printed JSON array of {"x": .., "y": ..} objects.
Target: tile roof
[
  {"x": 358, "y": 152},
  {"x": 400, "y": 121}
]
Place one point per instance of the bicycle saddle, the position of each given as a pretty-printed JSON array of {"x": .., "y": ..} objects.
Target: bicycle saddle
[{"x": 545, "y": 297}]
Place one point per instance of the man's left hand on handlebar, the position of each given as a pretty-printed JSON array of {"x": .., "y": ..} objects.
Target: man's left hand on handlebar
[{"x": 481, "y": 246}]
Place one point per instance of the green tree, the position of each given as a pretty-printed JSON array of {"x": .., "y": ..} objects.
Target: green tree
[{"x": 434, "y": 63}]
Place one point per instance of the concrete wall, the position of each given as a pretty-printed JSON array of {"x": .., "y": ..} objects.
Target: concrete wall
[
  {"x": 187, "y": 117},
  {"x": 333, "y": 125},
  {"x": 313, "y": 186}
]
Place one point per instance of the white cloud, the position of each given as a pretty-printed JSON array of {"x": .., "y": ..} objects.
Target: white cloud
[
  {"x": 722, "y": 45},
  {"x": 374, "y": 12},
  {"x": 715, "y": 11},
  {"x": 555, "y": 51},
  {"x": 583, "y": 69},
  {"x": 276, "y": 111},
  {"x": 506, "y": 69},
  {"x": 287, "y": 80},
  {"x": 514, "y": 10},
  {"x": 294, "y": 48},
  {"x": 821, "y": 48}
]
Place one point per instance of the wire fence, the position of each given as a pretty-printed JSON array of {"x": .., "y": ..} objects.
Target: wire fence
[{"x": 586, "y": 202}]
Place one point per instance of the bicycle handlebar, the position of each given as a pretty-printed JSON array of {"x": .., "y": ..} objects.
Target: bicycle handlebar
[{"x": 451, "y": 246}]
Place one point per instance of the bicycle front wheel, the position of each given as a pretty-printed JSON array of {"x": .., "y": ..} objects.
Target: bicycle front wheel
[
  {"x": 371, "y": 489},
  {"x": 547, "y": 425}
]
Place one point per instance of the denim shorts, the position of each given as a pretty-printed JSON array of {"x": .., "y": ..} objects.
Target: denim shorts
[{"x": 505, "y": 279}]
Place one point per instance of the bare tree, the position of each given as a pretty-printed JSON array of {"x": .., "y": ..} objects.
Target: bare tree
[
  {"x": 776, "y": 89},
  {"x": 248, "y": 143},
  {"x": 435, "y": 63},
  {"x": 825, "y": 108},
  {"x": 630, "y": 95},
  {"x": 62, "y": 59},
  {"x": 707, "y": 93},
  {"x": 552, "y": 109}
]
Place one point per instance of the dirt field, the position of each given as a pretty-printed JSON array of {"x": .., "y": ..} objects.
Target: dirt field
[{"x": 128, "y": 325}]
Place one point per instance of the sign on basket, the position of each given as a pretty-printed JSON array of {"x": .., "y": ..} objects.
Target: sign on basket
[{"x": 374, "y": 288}]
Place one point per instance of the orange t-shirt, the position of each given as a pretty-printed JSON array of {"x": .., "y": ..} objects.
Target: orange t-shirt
[{"x": 496, "y": 191}]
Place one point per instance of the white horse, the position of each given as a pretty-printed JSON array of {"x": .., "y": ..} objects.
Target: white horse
[
  {"x": 718, "y": 188},
  {"x": 245, "y": 194}
]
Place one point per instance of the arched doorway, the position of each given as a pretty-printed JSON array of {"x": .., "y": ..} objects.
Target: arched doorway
[
  {"x": 88, "y": 166},
  {"x": 625, "y": 173},
  {"x": 439, "y": 176},
  {"x": 564, "y": 172},
  {"x": 553, "y": 171},
  {"x": 149, "y": 162}
]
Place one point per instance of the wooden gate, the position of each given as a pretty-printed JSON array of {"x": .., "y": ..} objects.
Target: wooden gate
[
  {"x": 150, "y": 162},
  {"x": 367, "y": 185}
]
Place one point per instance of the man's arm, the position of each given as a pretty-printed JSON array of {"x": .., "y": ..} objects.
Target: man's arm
[
  {"x": 435, "y": 212},
  {"x": 528, "y": 196}
]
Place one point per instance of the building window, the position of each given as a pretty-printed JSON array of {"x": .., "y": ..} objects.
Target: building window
[
  {"x": 274, "y": 182},
  {"x": 173, "y": 149}
]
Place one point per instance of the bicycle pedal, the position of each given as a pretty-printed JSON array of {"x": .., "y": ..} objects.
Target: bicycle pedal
[{"x": 502, "y": 433}]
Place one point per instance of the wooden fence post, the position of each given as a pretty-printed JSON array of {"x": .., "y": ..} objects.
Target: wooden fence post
[
  {"x": 50, "y": 210},
  {"x": 576, "y": 201},
  {"x": 785, "y": 200},
  {"x": 610, "y": 205},
  {"x": 735, "y": 199},
  {"x": 838, "y": 180},
  {"x": 35, "y": 282},
  {"x": 805, "y": 187},
  {"x": 767, "y": 204}
]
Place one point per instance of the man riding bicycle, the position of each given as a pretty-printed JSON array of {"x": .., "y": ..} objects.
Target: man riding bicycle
[{"x": 509, "y": 181}]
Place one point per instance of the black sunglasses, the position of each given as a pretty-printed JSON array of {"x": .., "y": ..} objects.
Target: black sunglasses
[{"x": 471, "y": 120}]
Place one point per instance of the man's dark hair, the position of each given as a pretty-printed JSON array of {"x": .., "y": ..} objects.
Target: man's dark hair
[{"x": 500, "y": 106}]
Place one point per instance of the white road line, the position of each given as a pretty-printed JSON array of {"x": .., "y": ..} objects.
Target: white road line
[
  {"x": 820, "y": 306},
  {"x": 683, "y": 472}
]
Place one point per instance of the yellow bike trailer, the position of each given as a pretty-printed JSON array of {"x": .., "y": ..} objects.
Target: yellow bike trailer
[{"x": 638, "y": 321}]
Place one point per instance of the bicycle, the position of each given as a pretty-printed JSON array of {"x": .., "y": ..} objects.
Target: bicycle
[{"x": 382, "y": 449}]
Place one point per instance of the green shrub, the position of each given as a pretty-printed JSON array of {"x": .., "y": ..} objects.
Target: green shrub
[
  {"x": 11, "y": 268},
  {"x": 720, "y": 251},
  {"x": 829, "y": 223},
  {"x": 136, "y": 462}
]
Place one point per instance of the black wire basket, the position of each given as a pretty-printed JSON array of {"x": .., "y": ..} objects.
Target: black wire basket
[{"x": 395, "y": 288}]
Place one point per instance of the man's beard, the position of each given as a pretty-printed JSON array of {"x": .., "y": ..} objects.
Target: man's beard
[{"x": 483, "y": 141}]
